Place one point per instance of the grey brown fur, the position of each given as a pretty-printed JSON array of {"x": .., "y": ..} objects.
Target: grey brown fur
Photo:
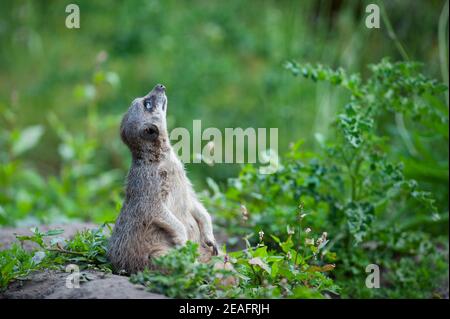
[{"x": 161, "y": 209}]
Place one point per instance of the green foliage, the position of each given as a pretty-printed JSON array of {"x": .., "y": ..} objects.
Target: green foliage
[
  {"x": 220, "y": 63},
  {"x": 80, "y": 190},
  {"x": 87, "y": 249},
  {"x": 376, "y": 180},
  {"x": 413, "y": 265},
  {"x": 16, "y": 263},
  {"x": 295, "y": 269},
  {"x": 354, "y": 187},
  {"x": 180, "y": 275}
]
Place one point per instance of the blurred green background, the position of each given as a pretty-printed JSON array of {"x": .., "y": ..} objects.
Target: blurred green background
[{"x": 63, "y": 91}]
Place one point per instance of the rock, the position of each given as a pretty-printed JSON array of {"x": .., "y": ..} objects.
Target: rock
[{"x": 51, "y": 284}]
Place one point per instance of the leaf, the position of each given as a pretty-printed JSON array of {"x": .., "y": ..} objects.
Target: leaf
[
  {"x": 112, "y": 78},
  {"x": 276, "y": 239},
  {"x": 261, "y": 252},
  {"x": 54, "y": 232},
  {"x": 275, "y": 259},
  {"x": 323, "y": 244},
  {"x": 325, "y": 268},
  {"x": 359, "y": 219},
  {"x": 36, "y": 239},
  {"x": 328, "y": 267},
  {"x": 38, "y": 257},
  {"x": 287, "y": 245},
  {"x": 66, "y": 151},
  {"x": 259, "y": 262},
  {"x": 275, "y": 268},
  {"x": 27, "y": 139}
]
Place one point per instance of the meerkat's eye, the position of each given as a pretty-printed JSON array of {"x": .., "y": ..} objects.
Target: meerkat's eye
[{"x": 148, "y": 104}]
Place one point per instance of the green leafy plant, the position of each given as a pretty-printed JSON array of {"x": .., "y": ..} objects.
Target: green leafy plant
[
  {"x": 297, "y": 268},
  {"x": 81, "y": 188},
  {"x": 355, "y": 187},
  {"x": 179, "y": 274},
  {"x": 294, "y": 268},
  {"x": 87, "y": 249},
  {"x": 17, "y": 263}
]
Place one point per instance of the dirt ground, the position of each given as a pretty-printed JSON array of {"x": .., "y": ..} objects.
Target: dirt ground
[{"x": 51, "y": 284}]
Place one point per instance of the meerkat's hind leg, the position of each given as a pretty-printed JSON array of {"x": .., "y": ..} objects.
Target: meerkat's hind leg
[
  {"x": 204, "y": 222},
  {"x": 173, "y": 226}
]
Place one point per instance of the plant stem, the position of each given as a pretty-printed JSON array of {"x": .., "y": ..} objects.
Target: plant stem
[
  {"x": 443, "y": 44},
  {"x": 256, "y": 275},
  {"x": 299, "y": 243},
  {"x": 398, "y": 116},
  {"x": 59, "y": 250},
  {"x": 391, "y": 32}
]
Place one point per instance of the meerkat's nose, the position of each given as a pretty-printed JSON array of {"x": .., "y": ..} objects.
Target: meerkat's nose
[{"x": 160, "y": 87}]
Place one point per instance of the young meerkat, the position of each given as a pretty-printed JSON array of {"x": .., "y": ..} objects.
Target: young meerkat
[{"x": 161, "y": 209}]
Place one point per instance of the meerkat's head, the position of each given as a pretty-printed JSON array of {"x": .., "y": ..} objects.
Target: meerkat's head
[{"x": 143, "y": 128}]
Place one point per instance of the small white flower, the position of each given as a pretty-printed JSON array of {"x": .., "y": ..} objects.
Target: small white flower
[
  {"x": 309, "y": 241},
  {"x": 261, "y": 235},
  {"x": 308, "y": 230},
  {"x": 290, "y": 231},
  {"x": 244, "y": 212}
]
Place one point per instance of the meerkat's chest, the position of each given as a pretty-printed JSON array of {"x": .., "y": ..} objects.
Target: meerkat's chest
[{"x": 176, "y": 187}]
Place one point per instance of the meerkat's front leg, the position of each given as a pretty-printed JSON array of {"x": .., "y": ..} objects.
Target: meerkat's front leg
[
  {"x": 173, "y": 226},
  {"x": 204, "y": 222}
]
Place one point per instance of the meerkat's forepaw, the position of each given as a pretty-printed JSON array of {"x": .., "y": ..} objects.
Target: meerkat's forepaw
[
  {"x": 180, "y": 240},
  {"x": 213, "y": 245}
]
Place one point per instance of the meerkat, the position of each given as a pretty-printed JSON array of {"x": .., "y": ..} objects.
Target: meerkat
[{"x": 161, "y": 209}]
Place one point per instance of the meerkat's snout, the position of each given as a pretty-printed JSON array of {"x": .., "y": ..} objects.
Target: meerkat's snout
[
  {"x": 154, "y": 103},
  {"x": 156, "y": 99}
]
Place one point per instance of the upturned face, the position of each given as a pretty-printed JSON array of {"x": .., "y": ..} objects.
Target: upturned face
[{"x": 144, "y": 125}]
